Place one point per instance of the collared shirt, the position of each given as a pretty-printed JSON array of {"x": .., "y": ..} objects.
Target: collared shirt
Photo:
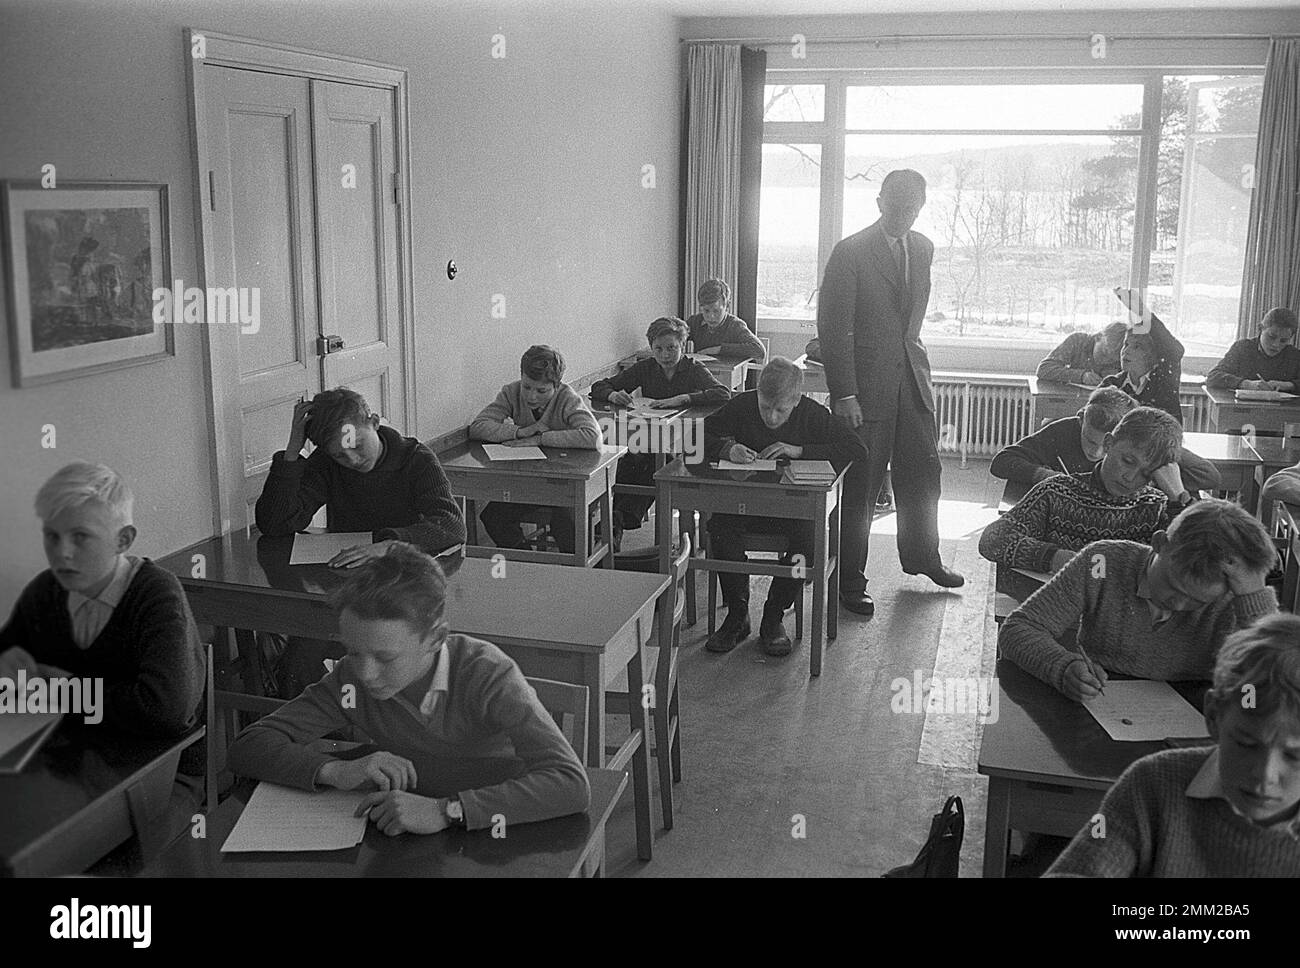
[
  {"x": 1159, "y": 615},
  {"x": 1135, "y": 389},
  {"x": 90, "y": 615},
  {"x": 893, "y": 242},
  {"x": 439, "y": 686},
  {"x": 1208, "y": 785}
]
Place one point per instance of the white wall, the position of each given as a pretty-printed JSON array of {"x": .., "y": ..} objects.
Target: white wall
[{"x": 526, "y": 171}]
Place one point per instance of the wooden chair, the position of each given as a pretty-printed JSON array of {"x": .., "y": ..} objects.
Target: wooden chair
[
  {"x": 564, "y": 700},
  {"x": 661, "y": 670},
  {"x": 763, "y": 543}
]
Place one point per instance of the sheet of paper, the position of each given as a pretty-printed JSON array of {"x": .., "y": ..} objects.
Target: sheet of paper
[
  {"x": 1139, "y": 709},
  {"x": 317, "y": 549},
  {"x": 1267, "y": 396},
  {"x": 703, "y": 357},
  {"x": 756, "y": 465},
  {"x": 1042, "y": 577},
  {"x": 19, "y": 730},
  {"x": 502, "y": 452},
  {"x": 280, "y": 818},
  {"x": 1082, "y": 386}
]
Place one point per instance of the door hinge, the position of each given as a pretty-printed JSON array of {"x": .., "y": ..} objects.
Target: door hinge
[
  {"x": 397, "y": 188},
  {"x": 212, "y": 189}
]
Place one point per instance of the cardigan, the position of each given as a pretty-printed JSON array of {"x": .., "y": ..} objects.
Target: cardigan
[
  {"x": 1103, "y": 593},
  {"x": 487, "y": 739},
  {"x": 690, "y": 377},
  {"x": 405, "y": 496},
  {"x": 566, "y": 419}
]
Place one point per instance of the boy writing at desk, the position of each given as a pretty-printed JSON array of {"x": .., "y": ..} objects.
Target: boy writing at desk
[
  {"x": 717, "y": 332},
  {"x": 538, "y": 409},
  {"x": 773, "y": 422},
  {"x": 456, "y": 705},
  {"x": 1270, "y": 361},
  {"x": 1158, "y": 612},
  {"x": 1227, "y": 810}
]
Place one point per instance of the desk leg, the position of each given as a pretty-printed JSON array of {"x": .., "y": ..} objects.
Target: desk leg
[
  {"x": 664, "y": 525},
  {"x": 607, "y": 517},
  {"x": 833, "y": 578},
  {"x": 639, "y": 720},
  {"x": 996, "y": 832},
  {"x": 246, "y": 644},
  {"x": 593, "y": 677},
  {"x": 471, "y": 522},
  {"x": 581, "y": 523},
  {"x": 820, "y": 576}
]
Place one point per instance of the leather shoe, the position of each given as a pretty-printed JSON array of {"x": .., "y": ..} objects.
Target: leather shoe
[
  {"x": 859, "y": 602},
  {"x": 942, "y": 576},
  {"x": 772, "y": 637},
  {"x": 730, "y": 634}
]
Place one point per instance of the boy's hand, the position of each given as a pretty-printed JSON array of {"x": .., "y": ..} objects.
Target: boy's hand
[
  {"x": 15, "y": 659},
  {"x": 385, "y": 770},
  {"x": 850, "y": 410},
  {"x": 1080, "y": 684},
  {"x": 709, "y": 350},
  {"x": 1241, "y": 579},
  {"x": 529, "y": 441},
  {"x": 620, "y": 398},
  {"x": 1043, "y": 473},
  {"x": 781, "y": 449},
  {"x": 1061, "y": 559},
  {"x": 740, "y": 454},
  {"x": 396, "y": 813},
  {"x": 1170, "y": 480},
  {"x": 1090, "y": 378},
  {"x": 532, "y": 431},
  {"x": 1255, "y": 385},
  {"x": 351, "y": 557},
  {"x": 668, "y": 403},
  {"x": 298, "y": 430}
]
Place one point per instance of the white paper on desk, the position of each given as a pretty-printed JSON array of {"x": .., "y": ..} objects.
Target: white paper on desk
[
  {"x": 1042, "y": 577},
  {"x": 317, "y": 549},
  {"x": 1082, "y": 386},
  {"x": 703, "y": 357},
  {"x": 1140, "y": 709},
  {"x": 281, "y": 818},
  {"x": 1265, "y": 396},
  {"x": 502, "y": 452},
  {"x": 754, "y": 465}
]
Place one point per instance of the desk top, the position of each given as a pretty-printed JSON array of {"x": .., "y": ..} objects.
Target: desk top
[
  {"x": 679, "y": 471},
  {"x": 1042, "y": 735},
  {"x": 549, "y": 848},
  {"x": 1222, "y": 396},
  {"x": 1221, "y": 448},
  {"x": 573, "y": 463},
  {"x": 76, "y": 767},
  {"x": 552, "y": 606},
  {"x": 1276, "y": 452}
]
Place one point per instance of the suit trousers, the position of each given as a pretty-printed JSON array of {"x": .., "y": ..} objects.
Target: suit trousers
[{"x": 908, "y": 438}]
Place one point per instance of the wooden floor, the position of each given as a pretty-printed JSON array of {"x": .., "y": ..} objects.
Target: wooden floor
[{"x": 762, "y": 742}]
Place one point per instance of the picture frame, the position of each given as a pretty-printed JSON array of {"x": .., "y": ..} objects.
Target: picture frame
[{"x": 82, "y": 261}]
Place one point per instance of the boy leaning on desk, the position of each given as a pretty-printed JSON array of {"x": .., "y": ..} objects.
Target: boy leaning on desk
[{"x": 458, "y": 706}]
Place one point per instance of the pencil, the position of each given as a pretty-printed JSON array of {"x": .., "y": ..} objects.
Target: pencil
[
  {"x": 1092, "y": 670},
  {"x": 1062, "y": 463}
]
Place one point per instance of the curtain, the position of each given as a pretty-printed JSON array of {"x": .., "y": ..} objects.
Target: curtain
[
  {"x": 711, "y": 209},
  {"x": 1272, "y": 272},
  {"x": 753, "y": 72}
]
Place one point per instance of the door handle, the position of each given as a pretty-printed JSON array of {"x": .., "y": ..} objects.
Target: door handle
[{"x": 325, "y": 345}]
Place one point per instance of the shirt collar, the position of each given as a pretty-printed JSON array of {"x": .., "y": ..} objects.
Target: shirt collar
[
  {"x": 1140, "y": 385},
  {"x": 123, "y": 572},
  {"x": 440, "y": 683},
  {"x": 1208, "y": 785},
  {"x": 1158, "y": 613}
]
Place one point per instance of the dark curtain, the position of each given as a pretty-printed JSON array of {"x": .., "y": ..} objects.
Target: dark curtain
[{"x": 753, "y": 76}]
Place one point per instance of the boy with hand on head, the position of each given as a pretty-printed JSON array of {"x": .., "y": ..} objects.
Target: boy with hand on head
[
  {"x": 669, "y": 382},
  {"x": 539, "y": 409},
  {"x": 100, "y": 613},
  {"x": 462, "y": 736},
  {"x": 1270, "y": 361},
  {"x": 1227, "y": 810},
  {"x": 1084, "y": 357},
  {"x": 773, "y": 422},
  {"x": 1114, "y": 500},
  {"x": 716, "y": 331},
  {"x": 369, "y": 477},
  {"x": 1158, "y": 612}
]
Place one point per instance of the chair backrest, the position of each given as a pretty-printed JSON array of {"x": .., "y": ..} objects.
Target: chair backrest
[
  {"x": 565, "y": 700},
  {"x": 677, "y": 574}
]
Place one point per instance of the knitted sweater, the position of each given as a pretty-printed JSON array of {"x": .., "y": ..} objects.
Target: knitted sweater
[
  {"x": 404, "y": 497},
  {"x": 690, "y": 377},
  {"x": 1072, "y": 359},
  {"x": 1098, "y": 593},
  {"x": 1155, "y": 829},
  {"x": 1066, "y": 512},
  {"x": 810, "y": 426},
  {"x": 568, "y": 421},
  {"x": 149, "y": 654},
  {"x": 1246, "y": 361},
  {"x": 731, "y": 336},
  {"x": 486, "y": 737}
]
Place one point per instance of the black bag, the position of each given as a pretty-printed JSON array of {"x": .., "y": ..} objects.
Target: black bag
[{"x": 940, "y": 854}]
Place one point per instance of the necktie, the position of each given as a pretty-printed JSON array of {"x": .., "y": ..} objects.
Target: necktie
[{"x": 900, "y": 257}]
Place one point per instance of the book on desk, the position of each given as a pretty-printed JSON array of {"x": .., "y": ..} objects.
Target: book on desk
[{"x": 810, "y": 472}]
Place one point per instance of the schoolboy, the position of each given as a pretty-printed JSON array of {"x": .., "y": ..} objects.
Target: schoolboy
[
  {"x": 538, "y": 409},
  {"x": 1114, "y": 500},
  {"x": 1157, "y": 612},
  {"x": 716, "y": 331},
  {"x": 1227, "y": 810},
  {"x": 462, "y": 736},
  {"x": 1270, "y": 361},
  {"x": 668, "y": 381},
  {"x": 773, "y": 422},
  {"x": 1151, "y": 367},
  {"x": 1084, "y": 357}
]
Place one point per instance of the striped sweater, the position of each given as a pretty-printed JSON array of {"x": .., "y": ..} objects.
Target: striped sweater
[
  {"x": 1102, "y": 594},
  {"x": 1157, "y": 827},
  {"x": 1066, "y": 512}
]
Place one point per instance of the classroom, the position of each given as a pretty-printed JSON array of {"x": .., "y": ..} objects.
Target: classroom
[{"x": 390, "y": 379}]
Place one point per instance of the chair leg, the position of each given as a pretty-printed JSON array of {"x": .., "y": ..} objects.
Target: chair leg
[
  {"x": 663, "y": 740},
  {"x": 713, "y": 600},
  {"x": 676, "y": 735},
  {"x": 798, "y": 616}
]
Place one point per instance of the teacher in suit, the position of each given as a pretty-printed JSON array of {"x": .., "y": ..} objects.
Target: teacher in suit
[{"x": 869, "y": 314}]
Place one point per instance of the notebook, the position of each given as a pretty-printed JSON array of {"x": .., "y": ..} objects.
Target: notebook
[
  {"x": 811, "y": 472},
  {"x": 1265, "y": 396},
  {"x": 21, "y": 735}
]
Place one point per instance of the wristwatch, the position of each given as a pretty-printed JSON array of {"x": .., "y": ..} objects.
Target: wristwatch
[{"x": 455, "y": 811}]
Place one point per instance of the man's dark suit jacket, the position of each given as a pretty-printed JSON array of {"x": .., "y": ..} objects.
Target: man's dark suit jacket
[{"x": 869, "y": 323}]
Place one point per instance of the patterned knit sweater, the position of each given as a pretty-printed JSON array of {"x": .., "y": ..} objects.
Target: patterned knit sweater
[
  {"x": 1066, "y": 512},
  {"x": 1154, "y": 829},
  {"x": 1098, "y": 593}
]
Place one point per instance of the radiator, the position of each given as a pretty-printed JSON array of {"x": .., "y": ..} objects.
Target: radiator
[
  {"x": 1196, "y": 411},
  {"x": 980, "y": 418}
]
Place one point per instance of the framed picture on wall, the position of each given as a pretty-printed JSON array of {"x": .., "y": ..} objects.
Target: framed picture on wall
[{"x": 82, "y": 262}]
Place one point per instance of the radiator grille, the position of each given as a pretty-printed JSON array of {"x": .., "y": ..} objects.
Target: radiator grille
[{"x": 979, "y": 419}]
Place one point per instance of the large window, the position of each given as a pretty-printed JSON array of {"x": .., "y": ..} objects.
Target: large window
[{"x": 1035, "y": 191}]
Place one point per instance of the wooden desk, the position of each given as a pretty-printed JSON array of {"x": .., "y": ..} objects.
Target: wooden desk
[
  {"x": 86, "y": 792},
  {"x": 1052, "y": 401},
  {"x": 564, "y": 847},
  {"x": 569, "y": 478},
  {"x": 1291, "y": 579},
  {"x": 1274, "y": 454},
  {"x": 1235, "y": 460},
  {"x": 1228, "y": 414},
  {"x": 699, "y": 487},
  {"x": 729, "y": 371},
  {"x": 1048, "y": 761}
]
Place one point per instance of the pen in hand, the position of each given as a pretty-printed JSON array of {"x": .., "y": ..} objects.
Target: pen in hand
[
  {"x": 1062, "y": 463},
  {"x": 1092, "y": 669}
]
